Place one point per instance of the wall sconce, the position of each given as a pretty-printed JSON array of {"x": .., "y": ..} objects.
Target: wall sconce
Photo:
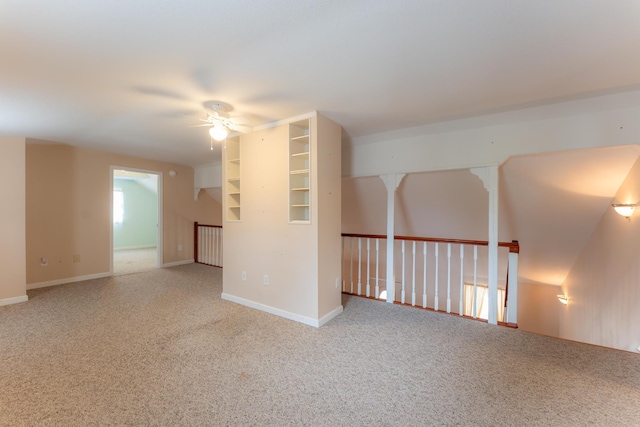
[
  {"x": 563, "y": 299},
  {"x": 626, "y": 210}
]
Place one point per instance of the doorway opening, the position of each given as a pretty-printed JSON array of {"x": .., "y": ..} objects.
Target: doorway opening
[{"x": 136, "y": 238}]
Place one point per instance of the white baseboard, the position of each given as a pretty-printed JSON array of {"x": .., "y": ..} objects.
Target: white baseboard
[
  {"x": 333, "y": 313},
  {"x": 67, "y": 280},
  {"x": 14, "y": 300},
  {"x": 175, "y": 263},
  {"x": 282, "y": 313}
]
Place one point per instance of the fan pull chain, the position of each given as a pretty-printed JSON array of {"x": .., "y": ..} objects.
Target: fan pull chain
[{"x": 211, "y": 143}]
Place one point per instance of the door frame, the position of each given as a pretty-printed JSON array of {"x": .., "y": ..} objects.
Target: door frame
[{"x": 159, "y": 226}]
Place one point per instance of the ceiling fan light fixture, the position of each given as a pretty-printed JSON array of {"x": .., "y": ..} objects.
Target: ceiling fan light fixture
[{"x": 218, "y": 132}]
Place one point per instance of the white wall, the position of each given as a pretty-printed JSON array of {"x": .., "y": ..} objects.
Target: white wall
[
  {"x": 603, "y": 285},
  {"x": 13, "y": 270},
  {"x": 208, "y": 176},
  {"x": 606, "y": 121}
]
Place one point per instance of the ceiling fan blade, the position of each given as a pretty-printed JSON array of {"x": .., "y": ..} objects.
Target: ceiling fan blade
[
  {"x": 199, "y": 126},
  {"x": 239, "y": 120},
  {"x": 195, "y": 118},
  {"x": 220, "y": 114},
  {"x": 241, "y": 128}
]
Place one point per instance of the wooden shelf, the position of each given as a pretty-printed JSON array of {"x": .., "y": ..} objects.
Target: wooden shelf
[
  {"x": 303, "y": 154},
  {"x": 297, "y": 138},
  {"x": 300, "y": 189},
  {"x": 299, "y": 172}
]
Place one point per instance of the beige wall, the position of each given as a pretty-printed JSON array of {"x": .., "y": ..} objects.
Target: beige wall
[
  {"x": 539, "y": 308},
  {"x": 448, "y": 204},
  {"x": 68, "y": 210},
  {"x": 603, "y": 285},
  {"x": 12, "y": 221},
  {"x": 209, "y": 210},
  {"x": 264, "y": 242}
]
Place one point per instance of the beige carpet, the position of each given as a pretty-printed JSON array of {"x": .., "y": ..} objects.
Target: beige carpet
[
  {"x": 161, "y": 348},
  {"x": 129, "y": 261}
]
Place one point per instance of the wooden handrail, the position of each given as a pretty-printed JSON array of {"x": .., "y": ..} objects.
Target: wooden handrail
[{"x": 513, "y": 246}]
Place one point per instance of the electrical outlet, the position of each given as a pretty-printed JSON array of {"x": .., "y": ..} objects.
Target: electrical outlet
[
  {"x": 266, "y": 280},
  {"x": 244, "y": 276},
  {"x": 179, "y": 248},
  {"x": 44, "y": 262},
  {"x": 337, "y": 282},
  {"x": 76, "y": 258}
]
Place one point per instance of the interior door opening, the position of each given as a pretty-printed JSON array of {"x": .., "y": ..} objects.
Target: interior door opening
[{"x": 136, "y": 243}]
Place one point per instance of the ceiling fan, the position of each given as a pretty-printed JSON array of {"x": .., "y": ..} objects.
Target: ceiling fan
[{"x": 221, "y": 122}]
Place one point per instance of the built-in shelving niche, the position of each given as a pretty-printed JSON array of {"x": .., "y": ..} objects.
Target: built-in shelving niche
[
  {"x": 299, "y": 172},
  {"x": 232, "y": 177}
]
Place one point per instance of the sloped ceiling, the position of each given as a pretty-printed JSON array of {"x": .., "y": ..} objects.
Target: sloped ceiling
[
  {"x": 121, "y": 75},
  {"x": 552, "y": 204}
]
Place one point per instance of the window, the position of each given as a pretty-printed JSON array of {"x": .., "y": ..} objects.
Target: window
[
  {"x": 118, "y": 206},
  {"x": 482, "y": 304}
]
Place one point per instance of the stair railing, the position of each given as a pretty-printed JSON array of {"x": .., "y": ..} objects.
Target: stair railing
[
  {"x": 447, "y": 275},
  {"x": 207, "y": 244}
]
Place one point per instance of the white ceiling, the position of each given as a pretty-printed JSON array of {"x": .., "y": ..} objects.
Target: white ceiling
[{"x": 119, "y": 75}]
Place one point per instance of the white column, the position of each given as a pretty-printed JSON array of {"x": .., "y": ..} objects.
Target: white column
[
  {"x": 489, "y": 177},
  {"x": 391, "y": 181}
]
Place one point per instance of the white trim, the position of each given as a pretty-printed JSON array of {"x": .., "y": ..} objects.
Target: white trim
[
  {"x": 127, "y": 248},
  {"x": 159, "y": 227},
  {"x": 67, "y": 280},
  {"x": 282, "y": 313},
  {"x": 176, "y": 263},
  {"x": 14, "y": 300},
  {"x": 330, "y": 315}
]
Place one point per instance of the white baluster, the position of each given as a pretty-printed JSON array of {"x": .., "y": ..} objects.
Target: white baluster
[
  {"x": 351, "y": 263},
  {"x": 212, "y": 233},
  {"x": 218, "y": 247},
  {"x": 424, "y": 275},
  {"x": 475, "y": 282},
  {"x": 216, "y": 251},
  {"x": 206, "y": 245},
  {"x": 448, "y": 277},
  {"x": 460, "y": 308},
  {"x": 413, "y": 277},
  {"x": 342, "y": 263},
  {"x": 211, "y": 246},
  {"x": 377, "y": 264},
  {"x": 199, "y": 255},
  {"x": 201, "y": 242},
  {"x": 368, "y": 267},
  {"x": 402, "y": 293},
  {"x": 221, "y": 232},
  {"x": 435, "y": 301},
  {"x": 512, "y": 302},
  {"x": 359, "y": 266}
]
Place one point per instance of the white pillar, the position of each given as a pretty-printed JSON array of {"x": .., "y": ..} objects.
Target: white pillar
[
  {"x": 489, "y": 177},
  {"x": 391, "y": 181}
]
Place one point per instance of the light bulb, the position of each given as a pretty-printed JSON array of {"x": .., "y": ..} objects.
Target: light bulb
[{"x": 218, "y": 132}]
